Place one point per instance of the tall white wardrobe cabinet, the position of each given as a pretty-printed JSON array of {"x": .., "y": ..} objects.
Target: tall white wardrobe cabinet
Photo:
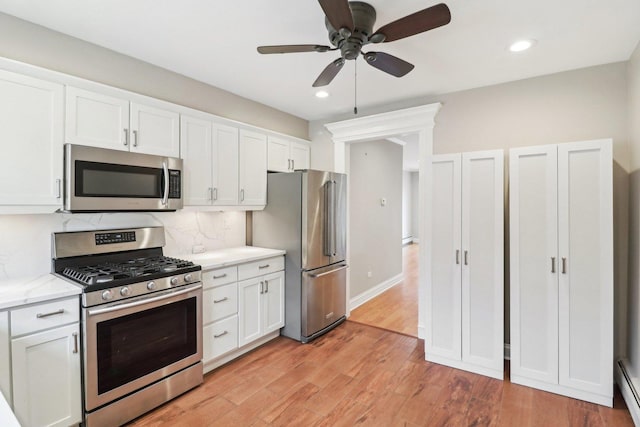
[
  {"x": 561, "y": 266},
  {"x": 465, "y": 307}
]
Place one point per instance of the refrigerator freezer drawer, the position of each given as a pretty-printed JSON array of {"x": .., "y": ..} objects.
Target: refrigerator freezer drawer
[{"x": 323, "y": 297}]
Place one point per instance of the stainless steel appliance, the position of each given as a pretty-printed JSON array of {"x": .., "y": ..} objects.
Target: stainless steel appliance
[
  {"x": 141, "y": 320},
  {"x": 97, "y": 179},
  {"x": 306, "y": 215}
]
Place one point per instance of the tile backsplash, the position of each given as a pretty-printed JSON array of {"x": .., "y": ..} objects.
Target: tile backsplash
[{"x": 25, "y": 240}]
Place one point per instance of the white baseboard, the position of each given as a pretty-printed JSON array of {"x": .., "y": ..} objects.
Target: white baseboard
[
  {"x": 407, "y": 240},
  {"x": 507, "y": 351},
  {"x": 629, "y": 393},
  {"x": 374, "y": 292},
  {"x": 422, "y": 332}
]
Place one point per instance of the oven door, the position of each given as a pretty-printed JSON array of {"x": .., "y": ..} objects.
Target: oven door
[
  {"x": 97, "y": 179},
  {"x": 131, "y": 344}
]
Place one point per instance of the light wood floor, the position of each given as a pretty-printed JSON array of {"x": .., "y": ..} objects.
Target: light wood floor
[
  {"x": 397, "y": 308},
  {"x": 360, "y": 375}
]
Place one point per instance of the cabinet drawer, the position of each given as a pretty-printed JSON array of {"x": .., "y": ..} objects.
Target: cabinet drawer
[
  {"x": 219, "y": 302},
  {"x": 43, "y": 316},
  {"x": 258, "y": 268},
  {"x": 220, "y": 276},
  {"x": 220, "y": 338}
]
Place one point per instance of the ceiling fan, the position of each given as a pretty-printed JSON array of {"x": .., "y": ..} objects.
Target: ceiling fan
[{"x": 350, "y": 26}]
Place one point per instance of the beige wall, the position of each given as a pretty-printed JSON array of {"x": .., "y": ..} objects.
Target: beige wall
[
  {"x": 375, "y": 171},
  {"x": 36, "y": 45}
]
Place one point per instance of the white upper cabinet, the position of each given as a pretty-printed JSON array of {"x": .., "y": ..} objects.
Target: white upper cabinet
[
  {"x": 465, "y": 287},
  {"x": 561, "y": 231},
  {"x": 225, "y": 165},
  {"x": 31, "y": 131},
  {"x": 195, "y": 150},
  {"x": 100, "y": 120},
  {"x": 154, "y": 131},
  {"x": 97, "y": 120},
  {"x": 253, "y": 168},
  {"x": 287, "y": 155}
]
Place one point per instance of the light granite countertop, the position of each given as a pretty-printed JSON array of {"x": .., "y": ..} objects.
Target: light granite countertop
[
  {"x": 28, "y": 290},
  {"x": 231, "y": 256}
]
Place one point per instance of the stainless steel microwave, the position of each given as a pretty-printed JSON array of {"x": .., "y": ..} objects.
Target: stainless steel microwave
[{"x": 99, "y": 180}]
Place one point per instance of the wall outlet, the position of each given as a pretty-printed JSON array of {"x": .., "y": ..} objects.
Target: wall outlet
[
  {"x": 369, "y": 274},
  {"x": 197, "y": 249}
]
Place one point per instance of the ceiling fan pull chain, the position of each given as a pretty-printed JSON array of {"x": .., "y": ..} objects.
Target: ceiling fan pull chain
[{"x": 355, "y": 87}]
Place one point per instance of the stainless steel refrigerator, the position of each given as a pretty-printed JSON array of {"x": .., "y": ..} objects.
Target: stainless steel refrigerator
[{"x": 306, "y": 216}]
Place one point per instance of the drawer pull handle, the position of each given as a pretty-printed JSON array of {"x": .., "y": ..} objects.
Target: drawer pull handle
[
  {"x": 220, "y": 276},
  {"x": 75, "y": 342},
  {"x": 221, "y": 334},
  {"x": 263, "y": 266},
  {"x": 215, "y": 301},
  {"x": 53, "y": 313}
]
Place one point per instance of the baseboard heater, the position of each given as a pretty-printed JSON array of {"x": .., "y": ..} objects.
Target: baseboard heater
[{"x": 634, "y": 407}]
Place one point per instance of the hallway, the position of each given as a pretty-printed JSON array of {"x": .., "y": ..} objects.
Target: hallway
[{"x": 396, "y": 309}]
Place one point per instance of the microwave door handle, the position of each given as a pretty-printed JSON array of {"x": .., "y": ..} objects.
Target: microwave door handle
[{"x": 165, "y": 196}]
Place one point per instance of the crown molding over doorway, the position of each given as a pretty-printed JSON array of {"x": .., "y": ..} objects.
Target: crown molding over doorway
[{"x": 420, "y": 120}]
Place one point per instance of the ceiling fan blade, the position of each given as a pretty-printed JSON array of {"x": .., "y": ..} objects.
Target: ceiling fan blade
[
  {"x": 338, "y": 13},
  {"x": 419, "y": 22},
  {"x": 293, "y": 48},
  {"x": 388, "y": 63},
  {"x": 327, "y": 75}
]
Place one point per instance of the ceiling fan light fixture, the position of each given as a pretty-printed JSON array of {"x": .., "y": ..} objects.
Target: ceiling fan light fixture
[
  {"x": 521, "y": 45},
  {"x": 322, "y": 94}
]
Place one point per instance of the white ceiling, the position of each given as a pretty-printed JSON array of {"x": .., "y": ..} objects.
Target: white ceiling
[{"x": 215, "y": 42}]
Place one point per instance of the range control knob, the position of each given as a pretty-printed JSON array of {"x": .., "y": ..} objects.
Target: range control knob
[
  {"x": 107, "y": 295},
  {"x": 188, "y": 277},
  {"x": 125, "y": 292},
  {"x": 151, "y": 286},
  {"x": 174, "y": 281}
]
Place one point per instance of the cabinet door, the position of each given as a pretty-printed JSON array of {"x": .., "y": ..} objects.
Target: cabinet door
[
  {"x": 253, "y": 168},
  {"x": 299, "y": 155},
  {"x": 195, "y": 150},
  {"x": 482, "y": 259},
  {"x": 31, "y": 135},
  {"x": 46, "y": 377},
  {"x": 273, "y": 300},
  {"x": 97, "y": 120},
  {"x": 154, "y": 131},
  {"x": 278, "y": 159},
  {"x": 5, "y": 366},
  {"x": 533, "y": 263},
  {"x": 443, "y": 334},
  {"x": 225, "y": 161},
  {"x": 250, "y": 309},
  {"x": 586, "y": 271}
]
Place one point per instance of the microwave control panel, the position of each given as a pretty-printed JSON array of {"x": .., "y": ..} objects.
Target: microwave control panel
[{"x": 174, "y": 184}]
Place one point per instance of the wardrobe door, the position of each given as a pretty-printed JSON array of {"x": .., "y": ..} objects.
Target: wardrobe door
[
  {"x": 443, "y": 289},
  {"x": 533, "y": 264},
  {"x": 586, "y": 266},
  {"x": 482, "y": 260}
]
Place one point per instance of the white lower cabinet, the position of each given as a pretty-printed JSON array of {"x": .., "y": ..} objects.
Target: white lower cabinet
[
  {"x": 45, "y": 363},
  {"x": 465, "y": 287},
  {"x": 561, "y": 265},
  {"x": 5, "y": 360},
  {"x": 238, "y": 315}
]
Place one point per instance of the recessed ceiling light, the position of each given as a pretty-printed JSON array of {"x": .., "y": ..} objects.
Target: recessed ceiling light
[
  {"x": 322, "y": 94},
  {"x": 521, "y": 45}
]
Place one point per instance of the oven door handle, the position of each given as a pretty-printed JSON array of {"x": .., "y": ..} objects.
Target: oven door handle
[
  {"x": 165, "y": 170},
  {"x": 94, "y": 312}
]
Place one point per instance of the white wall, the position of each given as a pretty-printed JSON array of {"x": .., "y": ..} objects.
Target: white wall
[
  {"x": 415, "y": 207},
  {"x": 375, "y": 171},
  {"x": 26, "y": 42}
]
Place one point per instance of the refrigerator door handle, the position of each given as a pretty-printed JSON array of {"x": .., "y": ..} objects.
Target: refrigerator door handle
[
  {"x": 328, "y": 220},
  {"x": 341, "y": 267}
]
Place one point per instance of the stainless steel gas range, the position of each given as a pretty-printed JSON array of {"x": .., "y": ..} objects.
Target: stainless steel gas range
[{"x": 141, "y": 320}]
